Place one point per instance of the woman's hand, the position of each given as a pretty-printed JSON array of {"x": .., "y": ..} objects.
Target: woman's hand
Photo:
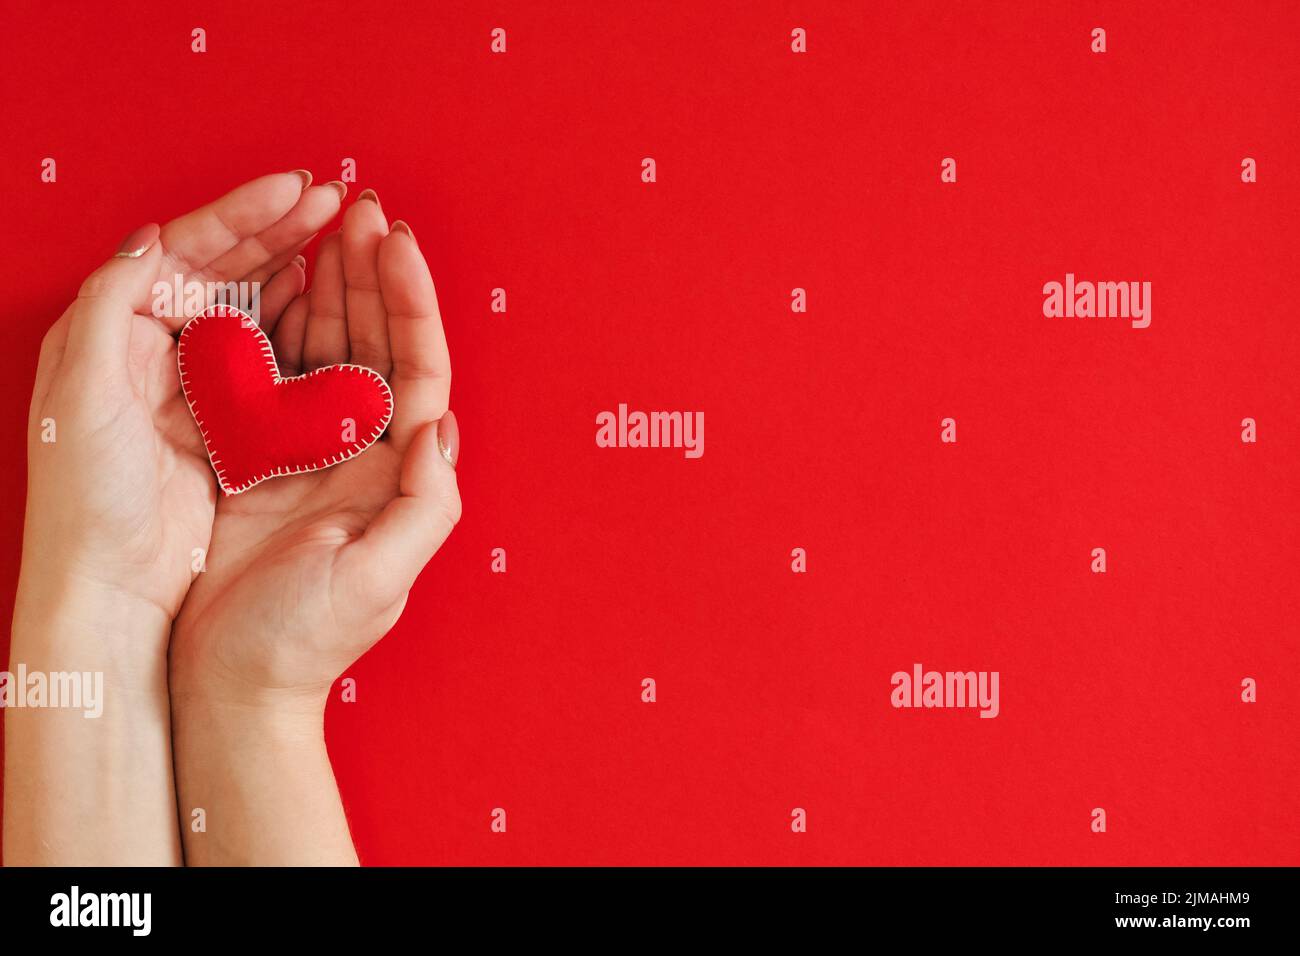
[
  {"x": 308, "y": 571},
  {"x": 120, "y": 492},
  {"x": 119, "y": 510}
]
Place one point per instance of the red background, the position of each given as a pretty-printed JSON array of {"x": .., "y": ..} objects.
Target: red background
[{"x": 775, "y": 170}]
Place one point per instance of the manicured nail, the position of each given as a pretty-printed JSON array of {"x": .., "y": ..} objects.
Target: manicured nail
[
  {"x": 139, "y": 242},
  {"x": 369, "y": 196},
  {"x": 449, "y": 438},
  {"x": 304, "y": 175},
  {"x": 402, "y": 227},
  {"x": 301, "y": 260},
  {"x": 340, "y": 187}
]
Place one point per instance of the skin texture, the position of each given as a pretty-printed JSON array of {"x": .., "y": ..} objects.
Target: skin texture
[{"x": 303, "y": 573}]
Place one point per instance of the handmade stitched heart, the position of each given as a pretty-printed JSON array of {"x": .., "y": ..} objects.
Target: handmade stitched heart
[{"x": 257, "y": 425}]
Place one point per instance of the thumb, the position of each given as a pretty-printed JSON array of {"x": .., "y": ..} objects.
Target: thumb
[
  {"x": 384, "y": 562},
  {"x": 99, "y": 322}
]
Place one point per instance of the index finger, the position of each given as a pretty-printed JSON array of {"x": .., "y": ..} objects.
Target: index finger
[{"x": 192, "y": 243}]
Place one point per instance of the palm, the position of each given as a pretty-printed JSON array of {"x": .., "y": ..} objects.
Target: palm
[
  {"x": 307, "y": 571},
  {"x": 165, "y": 484},
  {"x": 129, "y": 454},
  {"x": 275, "y": 575}
]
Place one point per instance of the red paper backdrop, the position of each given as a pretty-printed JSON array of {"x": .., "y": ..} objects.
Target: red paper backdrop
[{"x": 522, "y": 690}]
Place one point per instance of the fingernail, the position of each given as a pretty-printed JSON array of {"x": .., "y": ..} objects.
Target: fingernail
[
  {"x": 369, "y": 196},
  {"x": 301, "y": 260},
  {"x": 340, "y": 187},
  {"x": 449, "y": 438},
  {"x": 304, "y": 175},
  {"x": 402, "y": 227},
  {"x": 139, "y": 242}
]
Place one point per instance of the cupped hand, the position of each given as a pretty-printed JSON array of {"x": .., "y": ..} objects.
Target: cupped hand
[
  {"x": 120, "y": 492},
  {"x": 307, "y": 571}
]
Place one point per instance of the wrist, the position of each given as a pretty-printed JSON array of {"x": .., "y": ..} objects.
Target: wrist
[
  {"x": 202, "y": 692},
  {"x": 257, "y": 761},
  {"x": 61, "y": 614}
]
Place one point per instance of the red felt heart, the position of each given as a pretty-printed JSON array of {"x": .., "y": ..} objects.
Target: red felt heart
[{"x": 257, "y": 425}]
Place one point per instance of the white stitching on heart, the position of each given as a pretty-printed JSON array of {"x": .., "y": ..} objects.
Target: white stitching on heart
[{"x": 225, "y": 311}]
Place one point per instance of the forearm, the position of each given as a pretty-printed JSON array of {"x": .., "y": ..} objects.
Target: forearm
[
  {"x": 88, "y": 763},
  {"x": 261, "y": 777}
]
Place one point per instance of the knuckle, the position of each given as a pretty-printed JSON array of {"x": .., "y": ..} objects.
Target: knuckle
[
  {"x": 96, "y": 286},
  {"x": 451, "y": 506}
]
